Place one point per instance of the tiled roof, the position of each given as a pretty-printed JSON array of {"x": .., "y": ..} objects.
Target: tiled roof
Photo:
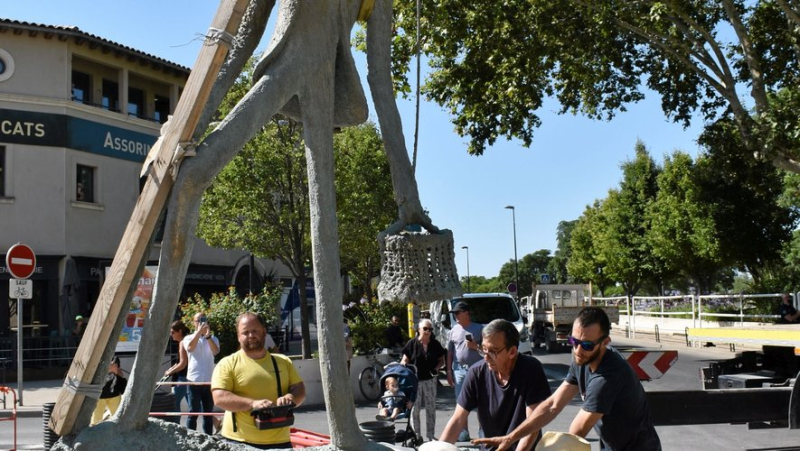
[{"x": 67, "y": 32}]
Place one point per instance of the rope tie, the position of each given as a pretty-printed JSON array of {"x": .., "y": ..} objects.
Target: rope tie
[
  {"x": 75, "y": 386},
  {"x": 216, "y": 36},
  {"x": 182, "y": 150}
]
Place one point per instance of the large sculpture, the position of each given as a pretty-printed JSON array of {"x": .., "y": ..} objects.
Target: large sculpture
[{"x": 307, "y": 73}]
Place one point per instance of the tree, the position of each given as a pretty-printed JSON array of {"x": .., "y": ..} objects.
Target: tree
[
  {"x": 492, "y": 65},
  {"x": 530, "y": 266},
  {"x": 557, "y": 267},
  {"x": 260, "y": 203},
  {"x": 752, "y": 224},
  {"x": 365, "y": 205},
  {"x": 623, "y": 243},
  {"x": 683, "y": 231},
  {"x": 586, "y": 264}
]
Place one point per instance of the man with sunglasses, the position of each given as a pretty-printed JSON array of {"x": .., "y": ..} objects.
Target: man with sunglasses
[
  {"x": 504, "y": 388},
  {"x": 614, "y": 402}
]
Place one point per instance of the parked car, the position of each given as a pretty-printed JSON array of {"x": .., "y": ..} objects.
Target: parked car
[{"x": 483, "y": 307}]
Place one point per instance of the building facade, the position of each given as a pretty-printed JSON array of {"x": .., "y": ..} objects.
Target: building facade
[{"x": 78, "y": 115}]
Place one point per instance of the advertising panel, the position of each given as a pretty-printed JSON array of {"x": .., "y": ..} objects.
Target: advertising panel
[{"x": 134, "y": 321}]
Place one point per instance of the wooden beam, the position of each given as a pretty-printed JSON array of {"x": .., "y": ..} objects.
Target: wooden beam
[{"x": 134, "y": 243}]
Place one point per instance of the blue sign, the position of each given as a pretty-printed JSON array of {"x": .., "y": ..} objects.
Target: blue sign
[
  {"x": 59, "y": 130},
  {"x": 545, "y": 278}
]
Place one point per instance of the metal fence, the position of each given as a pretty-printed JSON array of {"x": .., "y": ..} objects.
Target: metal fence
[{"x": 42, "y": 352}]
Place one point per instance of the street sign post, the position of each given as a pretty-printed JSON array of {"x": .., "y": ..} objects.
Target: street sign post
[{"x": 21, "y": 263}]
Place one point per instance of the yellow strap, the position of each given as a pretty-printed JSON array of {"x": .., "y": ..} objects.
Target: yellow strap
[{"x": 366, "y": 10}]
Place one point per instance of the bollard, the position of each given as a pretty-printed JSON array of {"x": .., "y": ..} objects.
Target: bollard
[
  {"x": 658, "y": 337},
  {"x": 50, "y": 437}
]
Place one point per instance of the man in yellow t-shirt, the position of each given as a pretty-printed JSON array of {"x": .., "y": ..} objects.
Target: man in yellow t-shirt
[{"x": 246, "y": 380}]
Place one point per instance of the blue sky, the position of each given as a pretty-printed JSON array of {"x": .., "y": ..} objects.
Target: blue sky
[{"x": 572, "y": 161}]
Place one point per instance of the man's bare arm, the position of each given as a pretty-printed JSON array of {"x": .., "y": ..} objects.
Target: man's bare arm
[
  {"x": 296, "y": 395},
  {"x": 455, "y": 425},
  {"x": 584, "y": 422},
  {"x": 527, "y": 442}
]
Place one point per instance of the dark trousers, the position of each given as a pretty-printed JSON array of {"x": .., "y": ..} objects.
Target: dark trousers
[{"x": 200, "y": 397}]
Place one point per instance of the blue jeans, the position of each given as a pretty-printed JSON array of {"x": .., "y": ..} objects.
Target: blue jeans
[
  {"x": 459, "y": 374},
  {"x": 201, "y": 401},
  {"x": 180, "y": 392}
]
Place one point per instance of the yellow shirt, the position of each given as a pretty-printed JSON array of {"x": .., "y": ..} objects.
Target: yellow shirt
[{"x": 254, "y": 379}]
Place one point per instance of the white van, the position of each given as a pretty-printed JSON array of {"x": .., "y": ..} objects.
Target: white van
[{"x": 483, "y": 308}]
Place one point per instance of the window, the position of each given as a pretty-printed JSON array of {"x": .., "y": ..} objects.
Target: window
[
  {"x": 136, "y": 102},
  {"x": 2, "y": 171},
  {"x": 110, "y": 95},
  {"x": 6, "y": 65},
  {"x": 161, "y": 113},
  {"x": 81, "y": 87},
  {"x": 84, "y": 184}
]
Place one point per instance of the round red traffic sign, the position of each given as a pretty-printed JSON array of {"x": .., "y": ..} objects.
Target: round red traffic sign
[{"x": 20, "y": 261}]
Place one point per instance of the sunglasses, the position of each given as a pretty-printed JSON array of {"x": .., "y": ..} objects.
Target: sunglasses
[
  {"x": 585, "y": 345},
  {"x": 427, "y": 329}
]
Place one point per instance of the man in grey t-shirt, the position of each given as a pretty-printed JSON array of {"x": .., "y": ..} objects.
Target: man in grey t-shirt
[{"x": 462, "y": 351}]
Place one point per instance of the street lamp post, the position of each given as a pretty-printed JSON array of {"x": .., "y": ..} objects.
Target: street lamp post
[
  {"x": 516, "y": 269},
  {"x": 467, "y": 249}
]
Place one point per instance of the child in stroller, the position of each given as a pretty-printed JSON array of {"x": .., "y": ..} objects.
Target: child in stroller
[
  {"x": 393, "y": 402},
  {"x": 407, "y": 385}
]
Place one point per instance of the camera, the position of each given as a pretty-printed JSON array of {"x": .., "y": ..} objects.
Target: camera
[{"x": 273, "y": 417}]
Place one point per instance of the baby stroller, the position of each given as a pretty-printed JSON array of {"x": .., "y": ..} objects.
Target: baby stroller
[{"x": 408, "y": 383}]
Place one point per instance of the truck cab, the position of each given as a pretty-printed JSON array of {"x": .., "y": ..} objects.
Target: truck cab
[{"x": 484, "y": 307}]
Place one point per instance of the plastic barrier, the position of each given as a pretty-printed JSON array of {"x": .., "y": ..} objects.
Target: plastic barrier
[
  {"x": 301, "y": 438},
  {"x": 13, "y": 417}
]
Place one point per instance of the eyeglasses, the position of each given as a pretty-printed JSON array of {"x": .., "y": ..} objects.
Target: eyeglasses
[
  {"x": 492, "y": 354},
  {"x": 427, "y": 329},
  {"x": 585, "y": 345}
]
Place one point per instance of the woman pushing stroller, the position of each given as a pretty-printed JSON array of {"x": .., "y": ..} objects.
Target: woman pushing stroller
[{"x": 427, "y": 354}]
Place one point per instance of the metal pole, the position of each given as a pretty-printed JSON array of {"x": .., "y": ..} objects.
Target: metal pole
[
  {"x": 19, "y": 350},
  {"x": 467, "y": 249},
  {"x": 516, "y": 269},
  {"x": 250, "y": 275}
]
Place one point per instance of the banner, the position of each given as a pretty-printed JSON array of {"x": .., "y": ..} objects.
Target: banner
[{"x": 134, "y": 321}]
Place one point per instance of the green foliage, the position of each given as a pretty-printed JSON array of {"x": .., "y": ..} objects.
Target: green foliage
[
  {"x": 223, "y": 309},
  {"x": 365, "y": 200},
  {"x": 587, "y": 264},
  {"x": 368, "y": 323},
  {"x": 596, "y": 57},
  {"x": 558, "y": 265},
  {"x": 682, "y": 230},
  {"x": 622, "y": 243},
  {"x": 530, "y": 266}
]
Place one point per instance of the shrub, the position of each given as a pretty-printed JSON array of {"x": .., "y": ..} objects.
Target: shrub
[
  {"x": 368, "y": 323},
  {"x": 223, "y": 309}
]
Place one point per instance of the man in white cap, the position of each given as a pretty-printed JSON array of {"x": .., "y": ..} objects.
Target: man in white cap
[{"x": 462, "y": 351}]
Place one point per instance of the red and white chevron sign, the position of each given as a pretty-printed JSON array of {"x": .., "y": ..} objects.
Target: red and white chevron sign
[{"x": 650, "y": 364}]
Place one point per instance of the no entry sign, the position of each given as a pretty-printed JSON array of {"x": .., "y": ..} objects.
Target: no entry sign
[{"x": 20, "y": 261}]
